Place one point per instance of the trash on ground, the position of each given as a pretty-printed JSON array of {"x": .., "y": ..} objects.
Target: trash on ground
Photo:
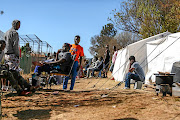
[
  {"x": 103, "y": 96},
  {"x": 76, "y": 105}
]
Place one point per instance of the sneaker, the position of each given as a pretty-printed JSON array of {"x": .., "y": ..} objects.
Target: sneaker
[
  {"x": 32, "y": 89},
  {"x": 112, "y": 78},
  {"x": 65, "y": 90},
  {"x": 23, "y": 93},
  {"x": 126, "y": 88}
]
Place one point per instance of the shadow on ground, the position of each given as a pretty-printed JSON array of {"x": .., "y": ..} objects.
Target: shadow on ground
[
  {"x": 126, "y": 119},
  {"x": 33, "y": 114}
]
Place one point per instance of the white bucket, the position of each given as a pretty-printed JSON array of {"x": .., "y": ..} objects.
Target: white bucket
[{"x": 176, "y": 90}]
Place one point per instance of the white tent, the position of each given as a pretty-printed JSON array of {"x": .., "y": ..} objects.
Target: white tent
[
  {"x": 145, "y": 50},
  {"x": 166, "y": 52}
]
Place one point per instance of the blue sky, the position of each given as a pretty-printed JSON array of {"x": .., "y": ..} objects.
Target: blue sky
[{"x": 58, "y": 21}]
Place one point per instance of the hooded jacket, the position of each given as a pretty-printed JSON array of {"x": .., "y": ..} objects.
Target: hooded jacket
[{"x": 12, "y": 40}]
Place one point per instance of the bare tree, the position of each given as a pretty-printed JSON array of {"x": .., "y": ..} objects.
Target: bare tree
[{"x": 125, "y": 38}]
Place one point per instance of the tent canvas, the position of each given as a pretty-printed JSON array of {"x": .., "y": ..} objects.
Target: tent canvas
[
  {"x": 139, "y": 50},
  {"x": 165, "y": 54}
]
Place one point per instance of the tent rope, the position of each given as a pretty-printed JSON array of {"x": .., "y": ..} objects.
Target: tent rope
[
  {"x": 120, "y": 66},
  {"x": 145, "y": 65},
  {"x": 162, "y": 51},
  {"x": 152, "y": 51}
]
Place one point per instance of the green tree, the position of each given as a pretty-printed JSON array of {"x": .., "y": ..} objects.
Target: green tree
[
  {"x": 169, "y": 14},
  {"x": 108, "y": 30},
  {"x": 98, "y": 42},
  {"x": 147, "y": 17}
]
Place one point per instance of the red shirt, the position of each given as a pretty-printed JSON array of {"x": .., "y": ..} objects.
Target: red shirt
[{"x": 78, "y": 50}]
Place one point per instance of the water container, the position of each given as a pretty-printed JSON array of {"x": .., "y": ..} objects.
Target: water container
[{"x": 176, "y": 89}]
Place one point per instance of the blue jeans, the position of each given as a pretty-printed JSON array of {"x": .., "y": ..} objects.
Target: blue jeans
[
  {"x": 130, "y": 76},
  {"x": 74, "y": 74}
]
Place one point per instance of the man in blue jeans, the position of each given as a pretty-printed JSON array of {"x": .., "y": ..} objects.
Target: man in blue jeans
[
  {"x": 77, "y": 50},
  {"x": 135, "y": 72},
  {"x": 63, "y": 60}
]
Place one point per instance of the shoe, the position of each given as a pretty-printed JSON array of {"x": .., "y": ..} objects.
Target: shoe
[
  {"x": 23, "y": 93},
  {"x": 112, "y": 78},
  {"x": 32, "y": 89},
  {"x": 36, "y": 87},
  {"x": 126, "y": 88},
  {"x": 65, "y": 90}
]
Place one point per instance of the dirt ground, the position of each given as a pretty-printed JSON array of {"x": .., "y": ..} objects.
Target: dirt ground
[{"x": 86, "y": 102}]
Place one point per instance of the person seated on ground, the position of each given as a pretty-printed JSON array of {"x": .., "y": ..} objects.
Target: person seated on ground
[
  {"x": 106, "y": 61},
  {"x": 92, "y": 65},
  {"x": 16, "y": 80},
  {"x": 63, "y": 59},
  {"x": 93, "y": 62},
  {"x": 97, "y": 65},
  {"x": 135, "y": 72},
  {"x": 113, "y": 60}
]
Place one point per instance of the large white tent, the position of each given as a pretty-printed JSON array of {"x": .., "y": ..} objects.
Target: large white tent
[
  {"x": 156, "y": 53},
  {"x": 166, "y": 52}
]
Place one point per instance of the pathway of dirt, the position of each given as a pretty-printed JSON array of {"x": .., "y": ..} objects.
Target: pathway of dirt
[{"x": 86, "y": 103}]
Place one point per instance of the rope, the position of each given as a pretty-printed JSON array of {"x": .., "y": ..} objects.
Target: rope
[
  {"x": 118, "y": 68},
  {"x": 148, "y": 62},
  {"x": 121, "y": 66},
  {"x": 162, "y": 51},
  {"x": 99, "y": 79},
  {"x": 102, "y": 69},
  {"x": 153, "y": 51}
]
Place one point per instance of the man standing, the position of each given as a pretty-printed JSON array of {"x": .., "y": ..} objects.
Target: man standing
[
  {"x": 77, "y": 50},
  {"x": 113, "y": 60},
  {"x": 12, "y": 46},
  {"x": 106, "y": 61},
  {"x": 138, "y": 74},
  {"x": 12, "y": 59}
]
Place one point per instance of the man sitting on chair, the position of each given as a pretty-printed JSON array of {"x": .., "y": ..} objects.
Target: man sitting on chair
[
  {"x": 63, "y": 59},
  {"x": 98, "y": 66},
  {"x": 138, "y": 74}
]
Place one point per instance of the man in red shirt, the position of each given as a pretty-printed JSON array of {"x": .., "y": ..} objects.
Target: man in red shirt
[{"x": 77, "y": 50}]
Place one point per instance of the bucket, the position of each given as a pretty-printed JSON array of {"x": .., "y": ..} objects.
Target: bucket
[{"x": 176, "y": 90}]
